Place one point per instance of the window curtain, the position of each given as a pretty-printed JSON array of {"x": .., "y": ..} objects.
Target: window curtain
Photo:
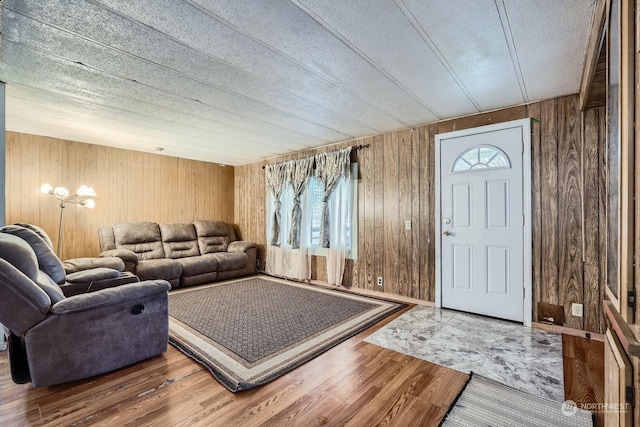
[
  {"x": 298, "y": 173},
  {"x": 275, "y": 179},
  {"x": 290, "y": 257},
  {"x": 330, "y": 167},
  {"x": 333, "y": 169}
]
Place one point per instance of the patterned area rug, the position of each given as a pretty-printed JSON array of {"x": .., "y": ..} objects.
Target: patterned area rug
[
  {"x": 484, "y": 402},
  {"x": 249, "y": 332}
]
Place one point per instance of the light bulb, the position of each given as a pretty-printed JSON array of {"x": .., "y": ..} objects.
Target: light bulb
[
  {"x": 46, "y": 188},
  {"x": 60, "y": 192},
  {"x": 86, "y": 191},
  {"x": 89, "y": 203}
]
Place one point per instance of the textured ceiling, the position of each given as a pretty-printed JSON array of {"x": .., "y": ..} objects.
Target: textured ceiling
[{"x": 234, "y": 82}]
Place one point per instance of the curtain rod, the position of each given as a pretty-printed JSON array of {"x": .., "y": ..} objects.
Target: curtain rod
[{"x": 357, "y": 147}]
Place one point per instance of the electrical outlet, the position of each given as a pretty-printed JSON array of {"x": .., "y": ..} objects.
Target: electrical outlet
[
  {"x": 576, "y": 309},
  {"x": 407, "y": 224},
  {"x": 379, "y": 280}
]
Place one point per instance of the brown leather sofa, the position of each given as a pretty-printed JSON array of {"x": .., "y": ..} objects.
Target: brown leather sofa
[{"x": 184, "y": 254}]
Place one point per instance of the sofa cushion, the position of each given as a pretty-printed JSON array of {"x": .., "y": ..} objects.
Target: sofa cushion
[
  {"x": 228, "y": 261},
  {"x": 142, "y": 238},
  {"x": 193, "y": 266},
  {"x": 213, "y": 236},
  {"x": 167, "y": 269},
  {"x": 47, "y": 260},
  {"x": 179, "y": 240}
]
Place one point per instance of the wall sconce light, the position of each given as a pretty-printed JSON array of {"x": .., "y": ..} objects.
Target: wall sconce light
[{"x": 80, "y": 197}]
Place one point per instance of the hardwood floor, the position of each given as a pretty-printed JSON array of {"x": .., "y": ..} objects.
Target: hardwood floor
[
  {"x": 354, "y": 384},
  {"x": 583, "y": 364}
]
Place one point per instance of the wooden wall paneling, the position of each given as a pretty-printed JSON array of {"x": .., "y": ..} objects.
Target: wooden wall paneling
[
  {"x": 367, "y": 216},
  {"x": 240, "y": 218},
  {"x": 428, "y": 210},
  {"x": 570, "y": 210},
  {"x": 422, "y": 141},
  {"x": 591, "y": 227},
  {"x": 91, "y": 217},
  {"x": 149, "y": 194},
  {"x": 390, "y": 207},
  {"x": 534, "y": 111},
  {"x": 378, "y": 203},
  {"x": 603, "y": 205},
  {"x": 123, "y": 187},
  {"x": 498, "y": 116},
  {"x": 50, "y": 172},
  {"x": 131, "y": 186},
  {"x": 549, "y": 200},
  {"x": 415, "y": 214},
  {"x": 627, "y": 154},
  {"x": 72, "y": 174},
  {"x": 13, "y": 176},
  {"x": 636, "y": 205},
  {"x": 30, "y": 183},
  {"x": 102, "y": 184},
  {"x": 170, "y": 173},
  {"x": 405, "y": 244}
]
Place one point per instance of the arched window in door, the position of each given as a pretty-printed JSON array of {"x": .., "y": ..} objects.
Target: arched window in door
[{"x": 481, "y": 157}]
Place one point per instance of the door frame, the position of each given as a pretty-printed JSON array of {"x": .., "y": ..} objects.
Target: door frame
[{"x": 527, "y": 267}]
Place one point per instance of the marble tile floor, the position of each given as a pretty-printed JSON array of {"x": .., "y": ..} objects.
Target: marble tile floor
[{"x": 523, "y": 358}]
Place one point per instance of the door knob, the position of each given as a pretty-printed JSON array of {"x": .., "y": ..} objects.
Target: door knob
[{"x": 446, "y": 232}]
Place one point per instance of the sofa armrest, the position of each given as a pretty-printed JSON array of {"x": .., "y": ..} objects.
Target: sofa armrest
[
  {"x": 129, "y": 257},
  {"x": 124, "y": 254},
  {"x": 92, "y": 274},
  {"x": 240, "y": 246},
  {"x": 110, "y": 296},
  {"x": 22, "y": 302},
  {"x": 79, "y": 264}
]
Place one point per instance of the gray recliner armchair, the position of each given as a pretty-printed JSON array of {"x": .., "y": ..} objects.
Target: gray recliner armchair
[
  {"x": 55, "y": 339},
  {"x": 73, "y": 276}
]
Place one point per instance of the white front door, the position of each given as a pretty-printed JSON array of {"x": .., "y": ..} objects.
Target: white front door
[{"x": 481, "y": 220}]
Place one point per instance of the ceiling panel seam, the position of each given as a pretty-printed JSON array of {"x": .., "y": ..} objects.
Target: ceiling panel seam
[
  {"x": 513, "y": 52},
  {"x": 236, "y": 152},
  {"x": 214, "y": 107},
  {"x": 298, "y": 63},
  {"x": 110, "y": 144},
  {"x": 76, "y": 64},
  {"x": 436, "y": 51},
  {"x": 106, "y": 117},
  {"x": 252, "y": 74},
  {"x": 255, "y": 101},
  {"x": 364, "y": 56}
]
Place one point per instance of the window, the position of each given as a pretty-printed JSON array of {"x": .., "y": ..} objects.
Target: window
[
  {"x": 342, "y": 211},
  {"x": 316, "y": 195},
  {"x": 481, "y": 158},
  {"x": 343, "y": 214}
]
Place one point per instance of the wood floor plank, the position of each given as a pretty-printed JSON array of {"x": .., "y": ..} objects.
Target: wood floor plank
[{"x": 354, "y": 383}]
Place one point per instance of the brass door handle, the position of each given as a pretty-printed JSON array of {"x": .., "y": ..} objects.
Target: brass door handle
[{"x": 446, "y": 233}]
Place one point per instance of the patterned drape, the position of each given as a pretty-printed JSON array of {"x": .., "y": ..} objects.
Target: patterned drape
[
  {"x": 330, "y": 167},
  {"x": 297, "y": 173},
  {"x": 276, "y": 178}
]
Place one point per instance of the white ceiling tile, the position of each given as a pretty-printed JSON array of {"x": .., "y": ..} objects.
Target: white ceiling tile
[
  {"x": 551, "y": 39},
  {"x": 234, "y": 82}
]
